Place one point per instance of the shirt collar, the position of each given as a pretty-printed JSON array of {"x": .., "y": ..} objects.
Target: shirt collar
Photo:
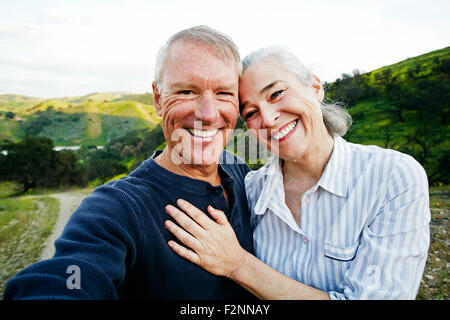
[
  {"x": 334, "y": 178},
  {"x": 272, "y": 186}
]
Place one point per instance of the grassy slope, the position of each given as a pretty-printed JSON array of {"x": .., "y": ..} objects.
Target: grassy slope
[
  {"x": 25, "y": 224},
  {"x": 20, "y": 104},
  {"x": 94, "y": 121},
  {"x": 426, "y": 61},
  {"x": 17, "y": 103},
  {"x": 435, "y": 281},
  {"x": 370, "y": 126}
]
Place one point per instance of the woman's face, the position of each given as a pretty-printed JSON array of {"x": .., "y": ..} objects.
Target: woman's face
[{"x": 281, "y": 111}]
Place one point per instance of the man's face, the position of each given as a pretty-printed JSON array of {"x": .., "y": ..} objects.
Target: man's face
[{"x": 198, "y": 102}]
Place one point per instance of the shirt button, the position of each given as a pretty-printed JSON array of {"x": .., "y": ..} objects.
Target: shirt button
[
  {"x": 217, "y": 192},
  {"x": 305, "y": 240}
]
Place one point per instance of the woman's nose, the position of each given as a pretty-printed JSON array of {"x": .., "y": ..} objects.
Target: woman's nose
[{"x": 269, "y": 116}]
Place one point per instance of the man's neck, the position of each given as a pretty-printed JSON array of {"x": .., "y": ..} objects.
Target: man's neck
[{"x": 208, "y": 173}]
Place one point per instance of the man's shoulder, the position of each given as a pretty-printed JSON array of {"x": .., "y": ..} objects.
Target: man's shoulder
[{"x": 124, "y": 194}]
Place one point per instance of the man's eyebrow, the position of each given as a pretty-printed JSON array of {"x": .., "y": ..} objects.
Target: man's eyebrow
[
  {"x": 227, "y": 87},
  {"x": 182, "y": 85}
]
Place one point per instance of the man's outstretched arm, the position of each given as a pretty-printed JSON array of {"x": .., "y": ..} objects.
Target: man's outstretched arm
[{"x": 91, "y": 255}]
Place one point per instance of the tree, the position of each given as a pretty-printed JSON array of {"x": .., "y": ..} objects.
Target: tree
[
  {"x": 10, "y": 115},
  {"x": 104, "y": 169},
  {"x": 33, "y": 162}
]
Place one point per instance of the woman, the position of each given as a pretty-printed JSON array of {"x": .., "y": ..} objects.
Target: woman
[{"x": 331, "y": 219}]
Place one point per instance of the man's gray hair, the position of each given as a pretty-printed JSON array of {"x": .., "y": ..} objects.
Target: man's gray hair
[
  {"x": 223, "y": 44},
  {"x": 335, "y": 117}
]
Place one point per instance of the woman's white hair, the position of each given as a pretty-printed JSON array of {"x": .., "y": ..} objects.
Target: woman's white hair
[
  {"x": 336, "y": 118},
  {"x": 223, "y": 44}
]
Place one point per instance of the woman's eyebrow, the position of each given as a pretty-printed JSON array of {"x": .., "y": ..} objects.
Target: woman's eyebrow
[
  {"x": 242, "y": 106},
  {"x": 270, "y": 85}
]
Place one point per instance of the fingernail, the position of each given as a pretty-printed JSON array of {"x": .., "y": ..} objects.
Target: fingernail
[{"x": 180, "y": 202}]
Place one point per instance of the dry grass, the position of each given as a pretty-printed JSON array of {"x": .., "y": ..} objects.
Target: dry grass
[
  {"x": 25, "y": 224},
  {"x": 435, "y": 281}
]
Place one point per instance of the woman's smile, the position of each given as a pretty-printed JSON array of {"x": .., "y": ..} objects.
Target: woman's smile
[{"x": 285, "y": 131}]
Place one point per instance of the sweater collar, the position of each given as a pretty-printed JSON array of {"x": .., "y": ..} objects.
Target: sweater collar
[{"x": 184, "y": 182}]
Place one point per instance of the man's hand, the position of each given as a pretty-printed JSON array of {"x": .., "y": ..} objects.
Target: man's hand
[{"x": 213, "y": 244}]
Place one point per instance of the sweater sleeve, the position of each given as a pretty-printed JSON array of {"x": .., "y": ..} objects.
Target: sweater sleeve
[{"x": 92, "y": 255}]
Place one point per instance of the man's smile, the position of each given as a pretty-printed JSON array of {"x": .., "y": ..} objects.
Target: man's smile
[{"x": 203, "y": 133}]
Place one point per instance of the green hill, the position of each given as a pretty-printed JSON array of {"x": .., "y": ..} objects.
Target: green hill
[
  {"x": 404, "y": 106},
  {"x": 17, "y": 103},
  {"x": 96, "y": 96},
  {"x": 91, "y": 119},
  {"x": 423, "y": 63}
]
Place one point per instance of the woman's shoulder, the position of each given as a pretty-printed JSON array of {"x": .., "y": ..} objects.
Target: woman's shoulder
[{"x": 392, "y": 164}]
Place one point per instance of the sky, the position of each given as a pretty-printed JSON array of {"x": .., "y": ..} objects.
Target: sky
[{"x": 51, "y": 48}]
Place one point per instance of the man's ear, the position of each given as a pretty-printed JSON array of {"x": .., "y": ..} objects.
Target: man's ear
[
  {"x": 157, "y": 99},
  {"x": 318, "y": 89}
]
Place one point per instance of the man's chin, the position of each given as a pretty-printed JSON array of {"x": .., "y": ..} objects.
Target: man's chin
[{"x": 205, "y": 158}]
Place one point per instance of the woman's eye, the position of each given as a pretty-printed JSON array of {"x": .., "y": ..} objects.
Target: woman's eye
[
  {"x": 276, "y": 94},
  {"x": 249, "y": 114}
]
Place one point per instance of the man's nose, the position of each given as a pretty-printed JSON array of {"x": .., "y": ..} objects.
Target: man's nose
[{"x": 207, "y": 109}]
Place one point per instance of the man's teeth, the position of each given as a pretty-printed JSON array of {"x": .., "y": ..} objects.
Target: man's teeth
[
  {"x": 285, "y": 131},
  {"x": 203, "y": 134}
]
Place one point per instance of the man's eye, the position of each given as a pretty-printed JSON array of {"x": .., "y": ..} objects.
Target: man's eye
[
  {"x": 225, "y": 93},
  {"x": 276, "y": 94},
  {"x": 185, "y": 92}
]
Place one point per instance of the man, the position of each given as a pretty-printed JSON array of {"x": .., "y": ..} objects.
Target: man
[{"x": 115, "y": 244}]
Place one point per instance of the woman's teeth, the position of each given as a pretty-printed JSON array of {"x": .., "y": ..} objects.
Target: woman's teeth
[
  {"x": 279, "y": 135},
  {"x": 203, "y": 134}
]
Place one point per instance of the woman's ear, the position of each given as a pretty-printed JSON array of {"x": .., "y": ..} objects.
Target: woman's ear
[
  {"x": 157, "y": 99},
  {"x": 318, "y": 89}
]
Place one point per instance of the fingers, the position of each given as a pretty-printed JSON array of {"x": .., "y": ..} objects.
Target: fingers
[
  {"x": 196, "y": 214},
  {"x": 185, "y": 237},
  {"x": 184, "y": 252},
  {"x": 184, "y": 221},
  {"x": 218, "y": 215}
]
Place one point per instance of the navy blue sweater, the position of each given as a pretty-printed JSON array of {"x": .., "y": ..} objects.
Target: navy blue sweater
[{"x": 118, "y": 240}]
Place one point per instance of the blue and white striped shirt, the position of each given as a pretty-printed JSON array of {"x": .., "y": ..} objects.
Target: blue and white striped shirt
[{"x": 364, "y": 228}]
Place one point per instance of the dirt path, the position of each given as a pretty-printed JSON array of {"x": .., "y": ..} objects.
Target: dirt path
[{"x": 69, "y": 201}]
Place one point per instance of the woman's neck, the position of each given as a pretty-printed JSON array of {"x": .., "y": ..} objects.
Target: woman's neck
[{"x": 310, "y": 166}]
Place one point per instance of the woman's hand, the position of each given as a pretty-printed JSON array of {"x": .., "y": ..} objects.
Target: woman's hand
[{"x": 213, "y": 244}]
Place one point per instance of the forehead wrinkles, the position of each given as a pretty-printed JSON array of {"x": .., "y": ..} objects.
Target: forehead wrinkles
[{"x": 188, "y": 59}]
